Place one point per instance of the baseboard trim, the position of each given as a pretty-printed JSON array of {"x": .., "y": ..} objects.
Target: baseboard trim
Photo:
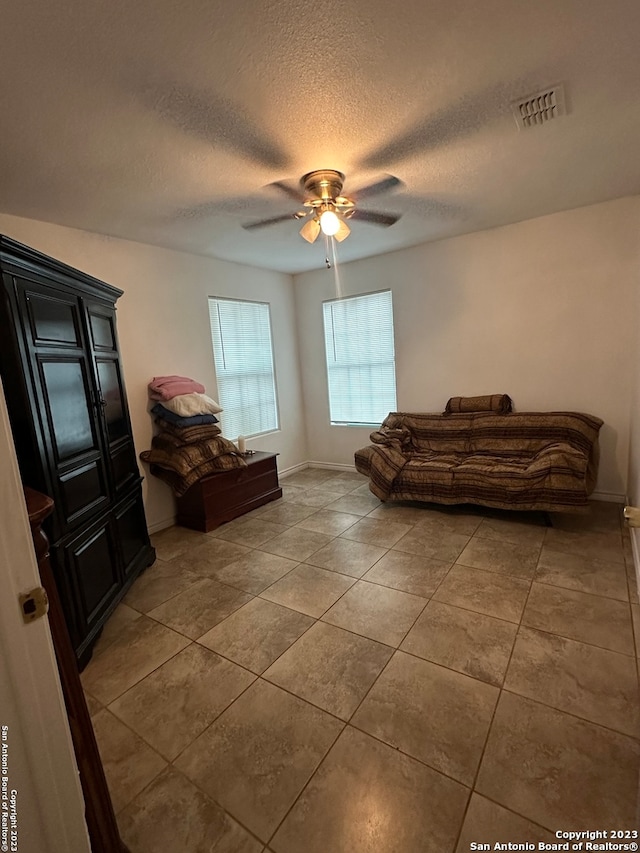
[
  {"x": 610, "y": 497},
  {"x": 286, "y": 472},
  {"x": 332, "y": 466}
]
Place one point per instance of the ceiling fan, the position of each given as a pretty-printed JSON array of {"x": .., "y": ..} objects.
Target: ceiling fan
[{"x": 326, "y": 209}]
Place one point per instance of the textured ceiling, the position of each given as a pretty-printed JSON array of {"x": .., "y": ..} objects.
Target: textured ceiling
[{"x": 164, "y": 122}]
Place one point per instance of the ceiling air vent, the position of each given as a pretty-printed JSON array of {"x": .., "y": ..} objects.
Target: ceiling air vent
[{"x": 539, "y": 108}]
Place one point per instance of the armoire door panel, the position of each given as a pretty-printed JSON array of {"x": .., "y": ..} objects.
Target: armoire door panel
[
  {"x": 52, "y": 318},
  {"x": 102, "y": 330},
  {"x": 130, "y": 527},
  {"x": 83, "y": 490},
  {"x": 68, "y": 404},
  {"x": 124, "y": 468},
  {"x": 111, "y": 399},
  {"x": 93, "y": 561}
]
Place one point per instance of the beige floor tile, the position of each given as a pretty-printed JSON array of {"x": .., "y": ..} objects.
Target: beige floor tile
[
  {"x": 296, "y": 543},
  {"x": 471, "y": 643},
  {"x": 251, "y": 532},
  {"x": 309, "y": 589},
  {"x": 550, "y": 767},
  {"x": 328, "y": 521},
  {"x": 512, "y": 531},
  {"x": 369, "y": 798},
  {"x": 353, "y": 478},
  {"x": 518, "y": 561},
  {"x": 376, "y": 612},
  {"x": 489, "y": 823},
  {"x": 174, "y": 541},
  {"x": 174, "y": 704},
  {"x": 172, "y": 814},
  {"x": 289, "y": 492},
  {"x": 408, "y": 572},
  {"x": 431, "y": 713},
  {"x": 93, "y": 706},
  {"x": 606, "y": 547},
  {"x": 330, "y": 668},
  {"x": 199, "y": 608},
  {"x": 401, "y": 512},
  {"x": 485, "y": 592},
  {"x": 589, "y": 618},
  {"x": 121, "y": 616},
  {"x": 425, "y": 542},
  {"x": 141, "y": 647},
  {"x": 129, "y": 763},
  {"x": 210, "y": 555},
  {"x": 257, "y": 634},
  {"x": 158, "y": 584},
  {"x": 258, "y": 755},
  {"x": 347, "y": 557},
  {"x": 355, "y": 504},
  {"x": 599, "y": 685},
  {"x": 574, "y": 571},
  {"x": 288, "y": 513},
  {"x": 255, "y": 572},
  {"x": 376, "y": 532},
  {"x": 443, "y": 521},
  {"x": 404, "y": 512},
  {"x": 316, "y": 498},
  {"x": 309, "y": 478}
]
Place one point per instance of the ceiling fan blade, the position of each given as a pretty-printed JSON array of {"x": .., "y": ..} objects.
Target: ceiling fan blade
[
  {"x": 342, "y": 232},
  {"x": 375, "y": 217},
  {"x": 262, "y": 223},
  {"x": 382, "y": 186},
  {"x": 310, "y": 230},
  {"x": 288, "y": 190}
]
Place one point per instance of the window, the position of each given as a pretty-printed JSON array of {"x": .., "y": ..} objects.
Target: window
[
  {"x": 358, "y": 334},
  {"x": 243, "y": 355}
]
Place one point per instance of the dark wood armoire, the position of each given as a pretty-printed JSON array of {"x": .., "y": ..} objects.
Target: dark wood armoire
[{"x": 61, "y": 371}]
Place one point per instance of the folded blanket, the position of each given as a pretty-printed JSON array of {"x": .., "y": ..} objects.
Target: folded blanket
[
  {"x": 181, "y": 485},
  {"x": 386, "y": 463},
  {"x": 168, "y": 387},
  {"x": 189, "y": 435},
  {"x": 500, "y": 403},
  {"x": 195, "y": 420},
  {"x": 186, "y": 405},
  {"x": 188, "y": 463}
]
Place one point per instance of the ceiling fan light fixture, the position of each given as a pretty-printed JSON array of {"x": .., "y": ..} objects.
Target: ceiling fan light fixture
[
  {"x": 330, "y": 223},
  {"x": 310, "y": 230},
  {"x": 343, "y": 231}
]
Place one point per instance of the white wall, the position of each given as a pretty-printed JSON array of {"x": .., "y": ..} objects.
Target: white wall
[
  {"x": 541, "y": 310},
  {"x": 163, "y": 327}
]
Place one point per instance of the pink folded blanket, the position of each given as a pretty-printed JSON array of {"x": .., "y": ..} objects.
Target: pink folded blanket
[{"x": 168, "y": 387}]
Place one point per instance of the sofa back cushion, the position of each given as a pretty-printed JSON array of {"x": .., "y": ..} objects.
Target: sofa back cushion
[{"x": 433, "y": 432}]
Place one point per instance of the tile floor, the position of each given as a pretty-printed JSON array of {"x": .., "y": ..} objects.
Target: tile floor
[{"x": 330, "y": 674}]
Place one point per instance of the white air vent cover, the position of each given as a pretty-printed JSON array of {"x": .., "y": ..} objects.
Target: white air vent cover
[{"x": 539, "y": 108}]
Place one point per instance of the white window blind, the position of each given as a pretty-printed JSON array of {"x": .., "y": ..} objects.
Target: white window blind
[
  {"x": 243, "y": 355},
  {"x": 358, "y": 333}
]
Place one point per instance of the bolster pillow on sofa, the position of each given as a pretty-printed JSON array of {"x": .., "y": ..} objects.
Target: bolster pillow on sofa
[{"x": 499, "y": 403}]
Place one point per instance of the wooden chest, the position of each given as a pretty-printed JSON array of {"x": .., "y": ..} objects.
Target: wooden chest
[{"x": 221, "y": 497}]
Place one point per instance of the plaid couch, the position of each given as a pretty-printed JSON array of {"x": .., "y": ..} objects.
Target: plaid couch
[{"x": 525, "y": 460}]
